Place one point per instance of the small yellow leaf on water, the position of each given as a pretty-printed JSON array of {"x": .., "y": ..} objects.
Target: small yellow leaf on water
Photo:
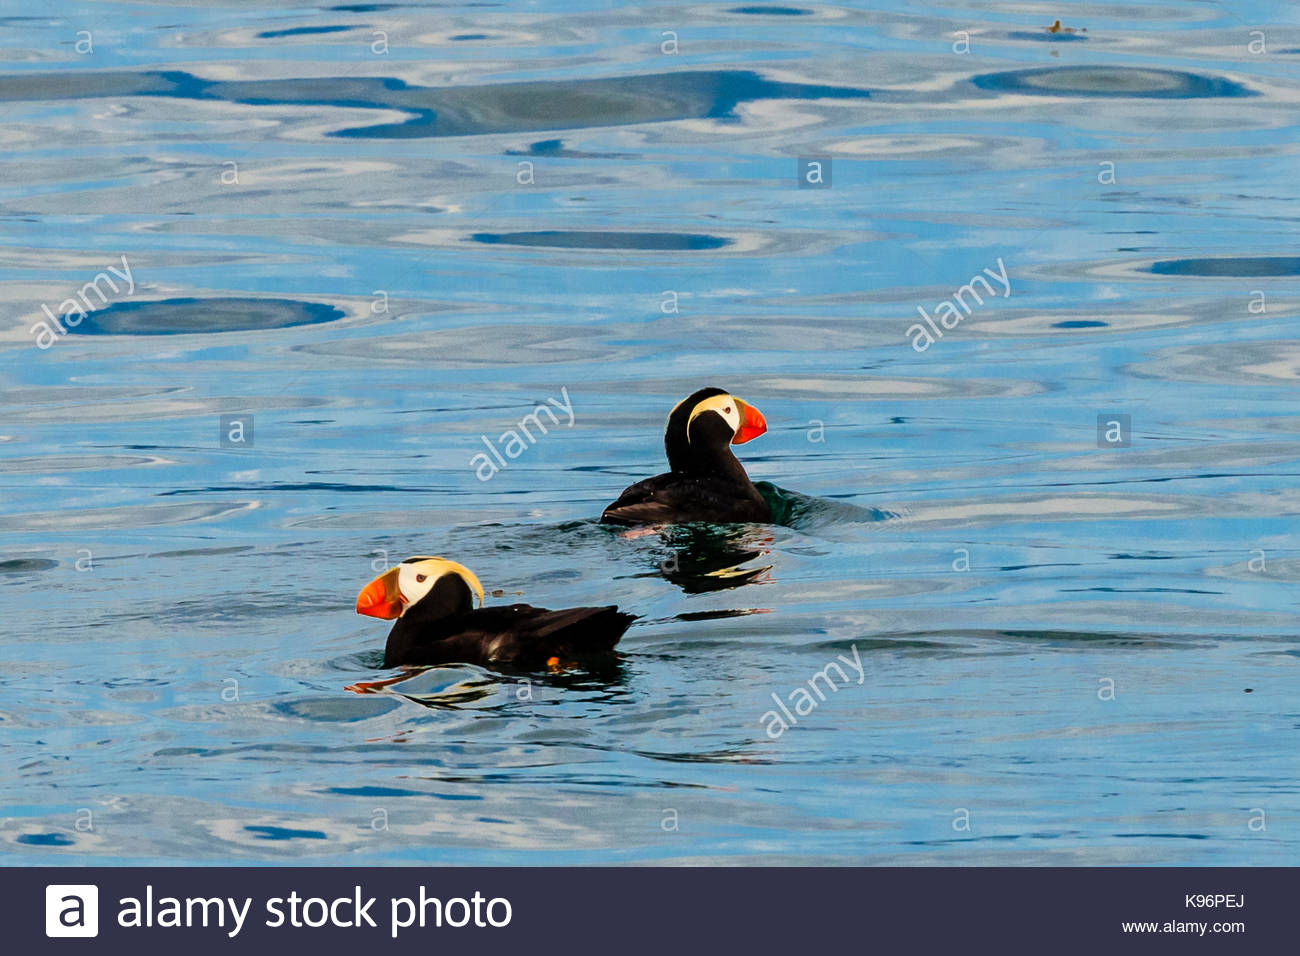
[{"x": 1057, "y": 28}]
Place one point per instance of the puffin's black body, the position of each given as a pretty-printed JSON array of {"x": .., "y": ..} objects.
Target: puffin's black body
[
  {"x": 676, "y": 498},
  {"x": 706, "y": 482},
  {"x": 444, "y": 627}
]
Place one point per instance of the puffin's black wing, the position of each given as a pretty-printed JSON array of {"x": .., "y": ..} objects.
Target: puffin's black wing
[
  {"x": 675, "y": 498},
  {"x": 518, "y": 634}
]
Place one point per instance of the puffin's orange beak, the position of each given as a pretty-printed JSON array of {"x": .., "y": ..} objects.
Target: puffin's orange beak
[
  {"x": 752, "y": 423},
  {"x": 381, "y": 597}
]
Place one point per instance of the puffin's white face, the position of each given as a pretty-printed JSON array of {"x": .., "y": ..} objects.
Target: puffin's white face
[
  {"x": 724, "y": 405},
  {"x": 745, "y": 420},
  {"x": 397, "y": 589},
  {"x": 414, "y": 581}
]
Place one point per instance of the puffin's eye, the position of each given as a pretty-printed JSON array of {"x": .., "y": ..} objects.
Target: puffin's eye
[
  {"x": 727, "y": 409},
  {"x": 421, "y": 577}
]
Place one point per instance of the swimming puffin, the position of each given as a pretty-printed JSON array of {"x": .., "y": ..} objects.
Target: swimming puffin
[
  {"x": 706, "y": 481},
  {"x": 437, "y": 622}
]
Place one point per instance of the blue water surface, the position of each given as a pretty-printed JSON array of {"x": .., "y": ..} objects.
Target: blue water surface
[{"x": 1025, "y": 340}]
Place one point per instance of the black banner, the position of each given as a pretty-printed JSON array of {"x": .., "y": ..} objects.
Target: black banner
[{"x": 779, "y": 910}]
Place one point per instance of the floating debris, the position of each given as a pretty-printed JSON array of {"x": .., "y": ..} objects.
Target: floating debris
[{"x": 1057, "y": 28}]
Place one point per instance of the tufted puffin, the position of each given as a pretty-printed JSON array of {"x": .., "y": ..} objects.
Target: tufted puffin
[
  {"x": 706, "y": 481},
  {"x": 437, "y": 623}
]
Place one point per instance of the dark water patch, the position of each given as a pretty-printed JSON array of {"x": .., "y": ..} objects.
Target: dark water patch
[
  {"x": 706, "y": 757},
  {"x": 368, "y": 791},
  {"x": 1111, "y": 81},
  {"x": 365, "y": 7},
  {"x": 805, "y": 512},
  {"x": 277, "y": 749},
  {"x": 302, "y": 31},
  {"x": 631, "y": 241},
  {"x": 544, "y": 147},
  {"x": 880, "y": 644},
  {"x": 1091, "y": 639},
  {"x": 26, "y": 565},
  {"x": 718, "y": 615},
  {"x": 1081, "y": 324},
  {"x": 189, "y": 316},
  {"x": 371, "y": 660},
  {"x": 450, "y": 111},
  {"x": 115, "y": 683},
  {"x": 284, "y": 833},
  {"x": 555, "y": 149},
  {"x": 442, "y": 700},
  {"x": 1047, "y": 36},
  {"x": 1234, "y": 266},
  {"x": 764, "y": 11},
  {"x": 45, "y": 839},
  {"x": 1163, "y": 836},
  {"x": 338, "y": 709},
  {"x": 296, "y": 486},
  {"x": 202, "y": 552},
  {"x": 976, "y": 642},
  {"x": 1115, "y": 590},
  {"x": 469, "y": 36}
]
